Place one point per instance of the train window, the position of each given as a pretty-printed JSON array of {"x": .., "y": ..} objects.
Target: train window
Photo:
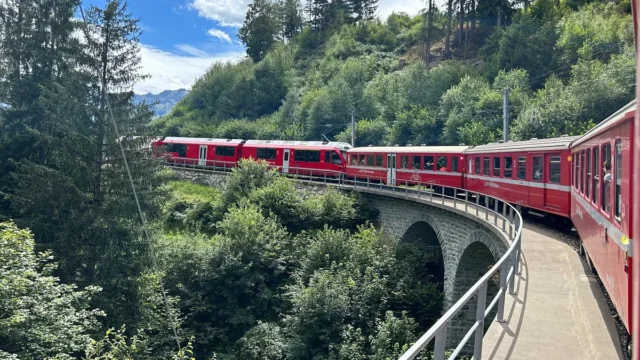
[
  {"x": 181, "y": 149},
  {"x": 354, "y": 159},
  {"x": 363, "y": 160},
  {"x": 606, "y": 178},
  {"x": 485, "y": 166},
  {"x": 508, "y": 167},
  {"x": 554, "y": 169},
  {"x": 327, "y": 156},
  {"x": 618, "y": 179},
  {"x": 404, "y": 162},
  {"x": 582, "y": 171},
  {"x": 428, "y": 162},
  {"x": 522, "y": 168},
  {"x": 596, "y": 173},
  {"x": 538, "y": 170},
  {"x": 379, "y": 160},
  {"x": 577, "y": 177},
  {"x": 496, "y": 166},
  {"x": 369, "y": 160},
  {"x": 442, "y": 163},
  {"x": 307, "y": 155},
  {"x": 335, "y": 158},
  {"x": 477, "y": 165},
  {"x": 224, "y": 151},
  {"x": 266, "y": 154},
  {"x": 416, "y": 162},
  {"x": 454, "y": 164},
  {"x": 587, "y": 166}
]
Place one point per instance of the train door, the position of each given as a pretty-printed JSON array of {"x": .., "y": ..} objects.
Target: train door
[
  {"x": 391, "y": 169},
  {"x": 552, "y": 180},
  {"x": 536, "y": 186},
  {"x": 202, "y": 156},
  {"x": 285, "y": 161}
]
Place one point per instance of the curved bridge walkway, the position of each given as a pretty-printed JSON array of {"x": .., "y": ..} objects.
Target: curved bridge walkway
[{"x": 554, "y": 308}]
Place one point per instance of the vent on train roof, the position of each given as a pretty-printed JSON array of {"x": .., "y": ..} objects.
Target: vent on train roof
[
  {"x": 533, "y": 139},
  {"x": 423, "y": 144},
  {"x": 409, "y": 144},
  {"x": 500, "y": 141},
  {"x": 396, "y": 145}
]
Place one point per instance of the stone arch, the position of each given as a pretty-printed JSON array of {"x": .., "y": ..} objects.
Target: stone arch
[
  {"x": 478, "y": 256},
  {"x": 422, "y": 239}
]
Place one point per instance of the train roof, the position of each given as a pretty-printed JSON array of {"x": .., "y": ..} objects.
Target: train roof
[
  {"x": 409, "y": 149},
  {"x": 558, "y": 143},
  {"x": 623, "y": 113},
  {"x": 280, "y": 143},
  {"x": 203, "y": 141}
]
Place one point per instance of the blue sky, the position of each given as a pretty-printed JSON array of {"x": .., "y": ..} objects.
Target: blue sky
[{"x": 182, "y": 38}]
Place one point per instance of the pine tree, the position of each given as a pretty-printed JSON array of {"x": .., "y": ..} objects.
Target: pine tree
[
  {"x": 362, "y": 9},
  {"x": 260, "y": 29},
  {"x": 120, "y": 253},
  {"x": 291, "y": 19}
]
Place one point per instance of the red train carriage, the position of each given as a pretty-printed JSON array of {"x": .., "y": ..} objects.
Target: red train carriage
[
  {"x": 437, "y": 165},
  {"x": 202, "y": 151},
  {"x": 534, "y": 174},
  {"x": 600, "y": 204},
  {"x": 299, "y": 157}
]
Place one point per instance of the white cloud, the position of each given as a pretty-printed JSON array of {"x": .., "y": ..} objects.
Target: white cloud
[
  {"x": 191, "y": 50},
  {"x": 219, "y": 34},
  {"x": 171, "y": 71},
  {"x": 411, "y": 7},
  {"x": 225, "y": 12}
]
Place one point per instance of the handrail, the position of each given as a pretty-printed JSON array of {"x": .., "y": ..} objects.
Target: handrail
[{"x": 507, "y": 265}]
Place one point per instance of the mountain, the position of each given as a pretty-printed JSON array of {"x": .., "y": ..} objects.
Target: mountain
[{"x": 164, "y": 101}]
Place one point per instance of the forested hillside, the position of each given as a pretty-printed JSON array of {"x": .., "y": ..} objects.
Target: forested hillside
[{"x": 567, "y": 65}]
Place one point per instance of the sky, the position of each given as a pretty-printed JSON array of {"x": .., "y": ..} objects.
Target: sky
[{"x": 182, "y": 38}]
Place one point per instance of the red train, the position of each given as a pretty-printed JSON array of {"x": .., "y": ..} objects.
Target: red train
[
  {"x": 299, "y": 157},
  {"x": 585, "y": 179}
]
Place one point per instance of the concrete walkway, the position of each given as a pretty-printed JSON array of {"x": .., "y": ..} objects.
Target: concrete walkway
[{"x": 559, "y": 311}]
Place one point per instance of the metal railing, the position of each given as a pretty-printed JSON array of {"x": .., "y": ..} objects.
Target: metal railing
[{"x": 505, "y": 217}]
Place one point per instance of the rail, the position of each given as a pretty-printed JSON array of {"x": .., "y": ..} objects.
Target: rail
[{"x": 509, "y": 220}]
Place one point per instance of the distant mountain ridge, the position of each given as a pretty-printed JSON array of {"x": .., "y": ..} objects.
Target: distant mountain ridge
[{"x": 166, "y": 100}]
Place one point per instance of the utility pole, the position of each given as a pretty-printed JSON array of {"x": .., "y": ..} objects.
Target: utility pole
[
  {"x": 505, "y": 115},
  {"x": 353, "y": 128}
]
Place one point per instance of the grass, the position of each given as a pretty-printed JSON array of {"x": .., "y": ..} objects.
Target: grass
[{"x": 191, "y": 192}]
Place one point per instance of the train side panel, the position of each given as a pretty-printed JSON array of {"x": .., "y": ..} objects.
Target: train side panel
[{"x": 601, "y": 211}]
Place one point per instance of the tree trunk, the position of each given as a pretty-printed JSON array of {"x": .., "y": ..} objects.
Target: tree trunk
[
  {"x": 427, "y": 50},
  {"x": 499, "y": 17},
  {"x": 447, "y": 40},
  {"x": 472, "y": 17},
  {"x": 100, "y": 119},
  {"x": 461, "y": 29}
]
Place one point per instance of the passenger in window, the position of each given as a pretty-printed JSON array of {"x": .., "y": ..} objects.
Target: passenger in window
[{"x": 607, "y": 171}]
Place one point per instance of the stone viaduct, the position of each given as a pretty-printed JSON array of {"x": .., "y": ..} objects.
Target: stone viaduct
[{"x": 469, "y": 246}]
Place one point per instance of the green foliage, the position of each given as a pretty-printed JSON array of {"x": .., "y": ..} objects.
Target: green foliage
[
  {"x": 368, "y": 132},
  {"x": 41, "y": 317},
  {"x": 394, "y": 336},
  {"x": 259, "y": 30}
]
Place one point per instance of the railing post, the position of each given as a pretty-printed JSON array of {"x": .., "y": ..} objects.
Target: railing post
[
  {"x": 430, "y": 192},
  {"x": 504, "y": 216},
  {"x": 482, "y": 303},
  {"x": 514, "y": 263},
  {"x": 466, "y": 200},
  {"x": 455, "y": 197},
  {"x": 477, "y": 203},
  {"x": 495, "y": 213},
  {"x": 486, "y": 208},
  {"x": 504, "y": 271},
  {"x": 440, "y": 343},
  {"x": 325, "y": 177},
  {"x": 406, "y": 188}
]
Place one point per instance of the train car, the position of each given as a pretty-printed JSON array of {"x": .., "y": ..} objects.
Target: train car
[
  {"x": 601, "y": 210},
  {"x": 411, "y": 165},
  {"x": 219, "y": 153},
  {"x": 299, "y": 157},
  {"x": 533, "y": 174}
]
